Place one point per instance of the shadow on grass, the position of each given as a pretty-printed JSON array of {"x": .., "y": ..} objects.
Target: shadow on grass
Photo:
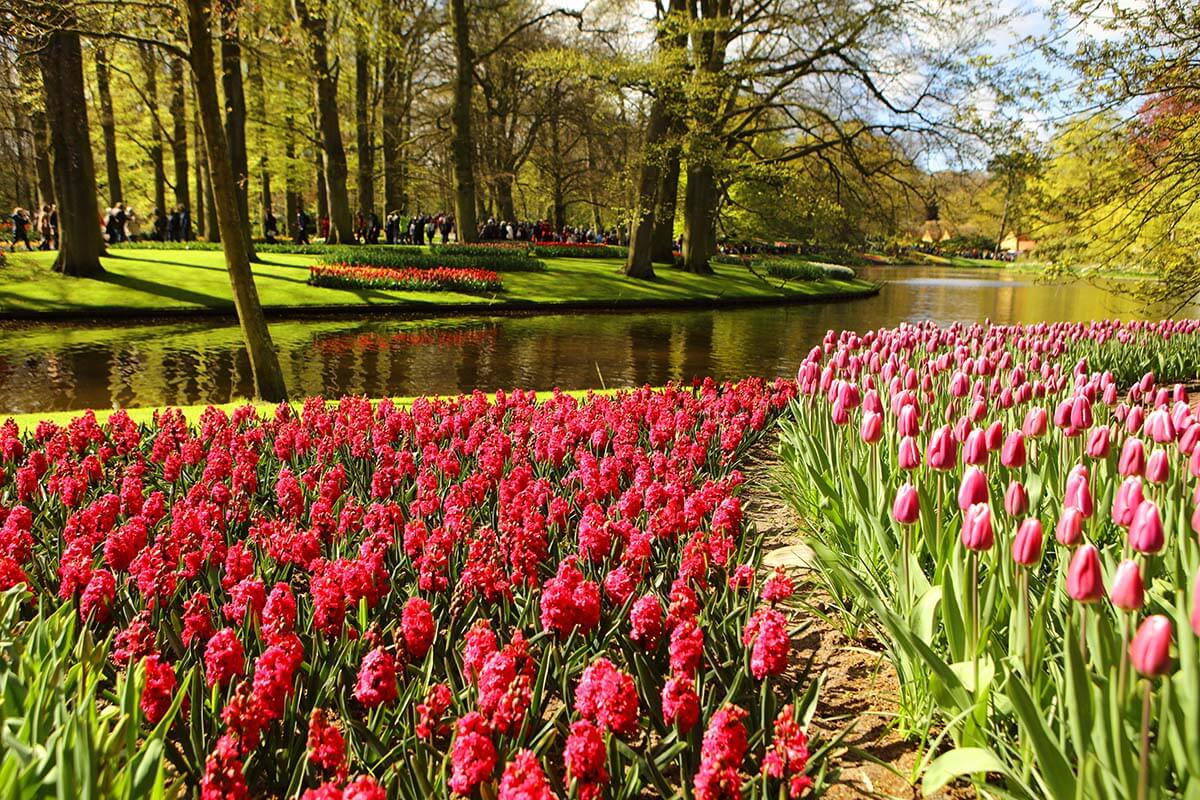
[{"x": 168, "y": 291}]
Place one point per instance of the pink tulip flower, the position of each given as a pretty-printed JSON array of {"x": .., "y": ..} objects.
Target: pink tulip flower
[
  {"x": 943, "y": 452},
  {"x": 1027, "y": 544},
  {"x": 1127, "y": 592},
  {"x": 1098, "y": 443},
  {"x": 871, "y": 429},
  {"x": 906, "y": 509},
  {"x": 907, "y": 422},
  {"x": 975, "y": 450},
  {"x": 1069, "y": 530},
  {"x": 976, "y": 531},
  {"x": 1135, "y": 419},
  {"x": 1158, "y": 469},
  {"x": 1150, "y": 650},
  {"x": 1079, "y": 492},
  {"x": 1035, "y": 423},
  {"x": 1016, "y": 501},
  {"x": 1133, "y": 458},
  {"x": 1159, "y": 426},
  {"x": 973, "y": 489},
  {"x": 995, "y": 435},
  {"x": 1085, "y": 583},
  {"x": 1012, "y": 454},
  {"x": 1128, "y": 498},
  {"x": 909, "y": 454},
  {"x": 1146, "y": 530}
]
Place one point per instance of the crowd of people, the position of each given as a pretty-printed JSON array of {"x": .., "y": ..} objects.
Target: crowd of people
[
  {"x": 544, "y": 231},
  {"x": 45, "y": 222},
  {"x": 120, "y": 223}
]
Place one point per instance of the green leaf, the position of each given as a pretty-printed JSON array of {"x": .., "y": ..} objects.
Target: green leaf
[{"x": 959, "y": 762}]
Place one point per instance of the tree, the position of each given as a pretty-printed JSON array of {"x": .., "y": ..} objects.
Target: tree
[
  {"x": 312, "y": 21},
  {"x": 462, "y": 143},
  {"x": 107, "y": 126},
  {"x": 235, "y": 110},
  {"x": 150, "y": 65},
  {"x": 264, "y": 363},
  {"x": 61, "y": 59},
  {"x": 179, "y": 140}
]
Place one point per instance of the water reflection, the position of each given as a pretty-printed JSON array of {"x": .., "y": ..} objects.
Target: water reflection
[{"x": 44, "y": 368}]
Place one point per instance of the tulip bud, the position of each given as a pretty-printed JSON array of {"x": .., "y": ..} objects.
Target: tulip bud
[
  {"x": 973, "y": 489},
  {"x": 909, "y": 455},
  {"x": 977, "y": 528},
  {"x": 1150, "y": 650},
  {"x": 975, "y": 449},
  {"x": 906, "y": 509},
  {"x": 1027, "y": 545},
  {"x": 1128, "y": 592},
  {"x": 1016, "y": 501},
  {"x": 1188, "y": 439},
  {"x": 1159, "y": 426},
  {"x": 1146, "y": 530},
  {"x": 1081, "y": 413},
  {"x": 1035, "y": 422},
  {"x": 841, "y": 414},
  {"x": 995, "y": 435},
  {"x": 1069, "y": 530},
  {"x": 1079, "y": 492},
  {"x": 1133, "y": 422},
  {"x": 1097, "y": 443},
  {"x": 871, "y": 429},
  {"x": 1084, "y": 581},
  {"x": 908, "y": 423},
  {"x": 1158, "y": 470},
  {"x": 943, "y": 452},
  {"x": 1128, "y": 498},
  {"x": 1012, "y": 454},
  {"x": 1133, "y": 458}
]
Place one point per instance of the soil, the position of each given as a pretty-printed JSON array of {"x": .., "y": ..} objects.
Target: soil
[{"x": 861, "y": 687}]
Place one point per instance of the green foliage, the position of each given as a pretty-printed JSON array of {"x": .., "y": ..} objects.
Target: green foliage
[
  {"x": 793, "y": 269},
  {"x": 67, "y": 732}
]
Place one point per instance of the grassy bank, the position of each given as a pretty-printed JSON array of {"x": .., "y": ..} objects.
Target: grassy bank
[{"x": 151, "y": 282}]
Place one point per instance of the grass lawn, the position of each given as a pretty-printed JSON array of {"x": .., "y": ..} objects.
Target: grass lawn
[
  {"x": 977, "y": 263},
  {"x": 153, "y": 281}
]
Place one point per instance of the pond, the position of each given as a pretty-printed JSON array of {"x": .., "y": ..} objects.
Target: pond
[{"x": 67, "y": 366}]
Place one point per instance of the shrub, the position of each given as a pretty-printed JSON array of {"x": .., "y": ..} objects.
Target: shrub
[
  {"x": 794, "y": 270},
  {"x": 427, "y": 279}
]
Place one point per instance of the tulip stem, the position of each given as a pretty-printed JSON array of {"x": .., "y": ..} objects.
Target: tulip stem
[
  {"x": 1123, "y": 673},
  {"x": 1027, "y": 621},
  {"x": 1144, "y": 762},
  {"x": 974, "y": 558},
  {"x": 1083, "y": 633},
  {"x": 905, "y": 539}
]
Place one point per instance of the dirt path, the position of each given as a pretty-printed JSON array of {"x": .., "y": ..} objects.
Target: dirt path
[{"x": 860, "y": 685}]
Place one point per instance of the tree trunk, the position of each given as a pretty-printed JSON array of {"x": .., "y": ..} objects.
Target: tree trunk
[
  {"x": 179, "y": 117},
  {"x": 41, "y": 157},
  {"x": 593, "y": 171},
  {"x": 235, "y": 112},
  {"x": 107, "y": 126},
  {"x": 341, "y": 223},
  {"x": 699, "y": 219},
  {"x": 292, "y": 200},
  {"x": 150, "y": 67},
  {"x": 462, "y": 145},
  {"x": 641, "y": 230},
  {"x": 662, "y": 243},
  {"x": 322, "y": 184},
  {"x": 364, "y": 136},
  {"x": 502, "y": 187},
  {"x": 206, "y": 216},
  {"x": 393, "y": 136},
  {"x": 80, "y": 242},
  {"x": 259, "y": 90},
  {"x": 264, "y": 363}
]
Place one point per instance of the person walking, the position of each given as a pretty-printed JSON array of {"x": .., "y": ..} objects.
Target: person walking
[
  {"x": 20, "y": 229},
  {"x": 44, "y": 228},
  {"x": 270, "y": 227},
  {"x": 300, "y": 235}
]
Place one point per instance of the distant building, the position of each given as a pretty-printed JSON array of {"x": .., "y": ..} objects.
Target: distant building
[
  {"x": 934, "y": 230},
  {"x": 1014, "y": 242}
]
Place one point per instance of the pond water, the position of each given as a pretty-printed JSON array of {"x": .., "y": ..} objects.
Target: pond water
[{"x": 60, "y": 367}]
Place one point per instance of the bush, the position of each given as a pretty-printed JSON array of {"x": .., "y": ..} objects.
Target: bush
[
  {"x": 431, "y": 279},
  {"x": 494, "y": 260}
]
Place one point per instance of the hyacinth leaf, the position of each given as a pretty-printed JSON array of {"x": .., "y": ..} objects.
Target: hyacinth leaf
[{"x": 963, "y": 761}]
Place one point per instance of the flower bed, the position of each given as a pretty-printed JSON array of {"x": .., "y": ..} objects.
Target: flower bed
[
  {"x": 434, "y": 279},
  {"x": 578, "y": 250},
  {"x": 497, "y": 260},
  {"x": 502, "y": 599},
  {"x": 936, "y": 464}
]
